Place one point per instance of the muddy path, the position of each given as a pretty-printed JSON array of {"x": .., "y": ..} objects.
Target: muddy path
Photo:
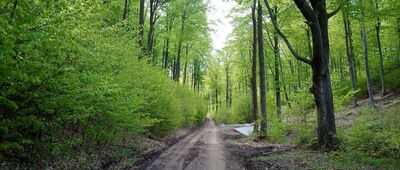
[{"x": 203, "y": 149}]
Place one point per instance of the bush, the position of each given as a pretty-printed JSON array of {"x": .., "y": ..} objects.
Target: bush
[{"x": 75, "y": 86}]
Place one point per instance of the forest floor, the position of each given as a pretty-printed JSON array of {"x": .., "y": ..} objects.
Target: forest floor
[{"x": 214, "y": 147}]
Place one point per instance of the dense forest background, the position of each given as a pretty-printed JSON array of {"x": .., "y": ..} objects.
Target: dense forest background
[{"x": 88, "y": 82}]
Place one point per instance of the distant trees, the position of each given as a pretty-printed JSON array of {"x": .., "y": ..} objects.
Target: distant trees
[{"x": 172, "y": 27}]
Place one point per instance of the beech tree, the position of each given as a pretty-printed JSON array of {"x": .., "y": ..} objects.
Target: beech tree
[{"x": 317, "y": 17}]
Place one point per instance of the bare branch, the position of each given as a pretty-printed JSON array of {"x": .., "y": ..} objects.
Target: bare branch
[{"x": 273, "y": 19}]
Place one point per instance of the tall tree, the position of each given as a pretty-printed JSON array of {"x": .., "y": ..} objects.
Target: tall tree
[
  {"x": 365, "y": 53},
  {"x": 276, "y": 73},
  {"x": 350, "y": 53},
  {"x": 378, "y": 39},
  {"x": 254, "y": 67},
  {"x": 263, "y": 92},
  {"x": 317, "y": 19},
  {"x": 126, "y": 9},
  {"x": 141, "y": 27}
]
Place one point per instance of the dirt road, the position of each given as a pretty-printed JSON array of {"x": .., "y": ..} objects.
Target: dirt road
[{"x": 203, "y": 149}]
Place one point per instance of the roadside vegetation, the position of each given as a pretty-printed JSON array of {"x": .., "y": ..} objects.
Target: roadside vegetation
[{"x": 74, "y": 94}]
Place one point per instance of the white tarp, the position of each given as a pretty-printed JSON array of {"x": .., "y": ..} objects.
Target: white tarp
[{"x": 245, "y": 130}]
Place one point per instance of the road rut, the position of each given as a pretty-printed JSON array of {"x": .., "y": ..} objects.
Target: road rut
[{"x": 202, "y": 150}]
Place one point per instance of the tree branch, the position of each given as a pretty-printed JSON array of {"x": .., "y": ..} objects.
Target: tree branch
[
  {"x": 269, "y": 37},
  {"x": 333, "y": 13},
  {"x": 273, "y": 19},
  {"x": 305, "y": 10}
]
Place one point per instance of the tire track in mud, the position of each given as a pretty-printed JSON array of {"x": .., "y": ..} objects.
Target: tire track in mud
[{"x": 201, "y": 150}]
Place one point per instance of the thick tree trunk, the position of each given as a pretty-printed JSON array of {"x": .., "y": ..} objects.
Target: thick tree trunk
[
  {"x": 317, "y": 18},
  {"x": 378, "y": 38},
  {"x": 321, "y": 80},
  {"x": 365, "y": 52},
  {"x": 263, "y": 93},
  {"x": 350, "y": 53},
  {"x": 254, "y": 67}
]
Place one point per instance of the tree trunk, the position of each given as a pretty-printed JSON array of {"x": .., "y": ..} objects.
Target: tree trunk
[
  {"x": 284, "y": 84},
  {"x": 317, "y": 18},
  {"x": 152, "y": 22},
  {"x": 14, "y": 8},
  {"x": 166, "y": 53},
  {"x": 398, "y": 33},
  {"x": 277, "y": 83},
  {"x": 216, "y": 100},
  {"x": 341, "y": 66},
  {"x": 298, "y": 75},
  {"x": 141, "y": 27},
  {"x": 178, "y": 63},
  {"x": 263, "y": 97},
  {"x": 321, "y": 80},
  {"x": 163, "y": 54},
  {"x": 125, "y": 15},
  {"x": 227, "y": 86},
  {"x": 186, "y": 63},
  {"x": 378, "y": 38},
  {"x": 193, "y": 73},
  {"x": 365, "y": 52},
  {"x": 310, "y": 54},
  {"x": 173, "y": 68},
  {"x": 350, "y": 53},
  {"x": 254, "y": 67}
]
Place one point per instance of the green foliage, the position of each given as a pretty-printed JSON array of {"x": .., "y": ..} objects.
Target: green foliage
[
  {"x": 376, "y": 133},
  {"x": 70, "y": 81},
  {"x": 240, "y": 112}
]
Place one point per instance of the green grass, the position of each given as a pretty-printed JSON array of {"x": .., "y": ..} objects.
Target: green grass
[{"x": 304, "y": 159}]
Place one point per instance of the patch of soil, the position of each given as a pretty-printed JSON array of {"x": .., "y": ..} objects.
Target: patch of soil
[
  {"x": 193, "y": 153},
  {"x": 245, "y": 152}
]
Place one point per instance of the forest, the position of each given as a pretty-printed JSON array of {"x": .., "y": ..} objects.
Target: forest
[{"x": 116, "y": 84}]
